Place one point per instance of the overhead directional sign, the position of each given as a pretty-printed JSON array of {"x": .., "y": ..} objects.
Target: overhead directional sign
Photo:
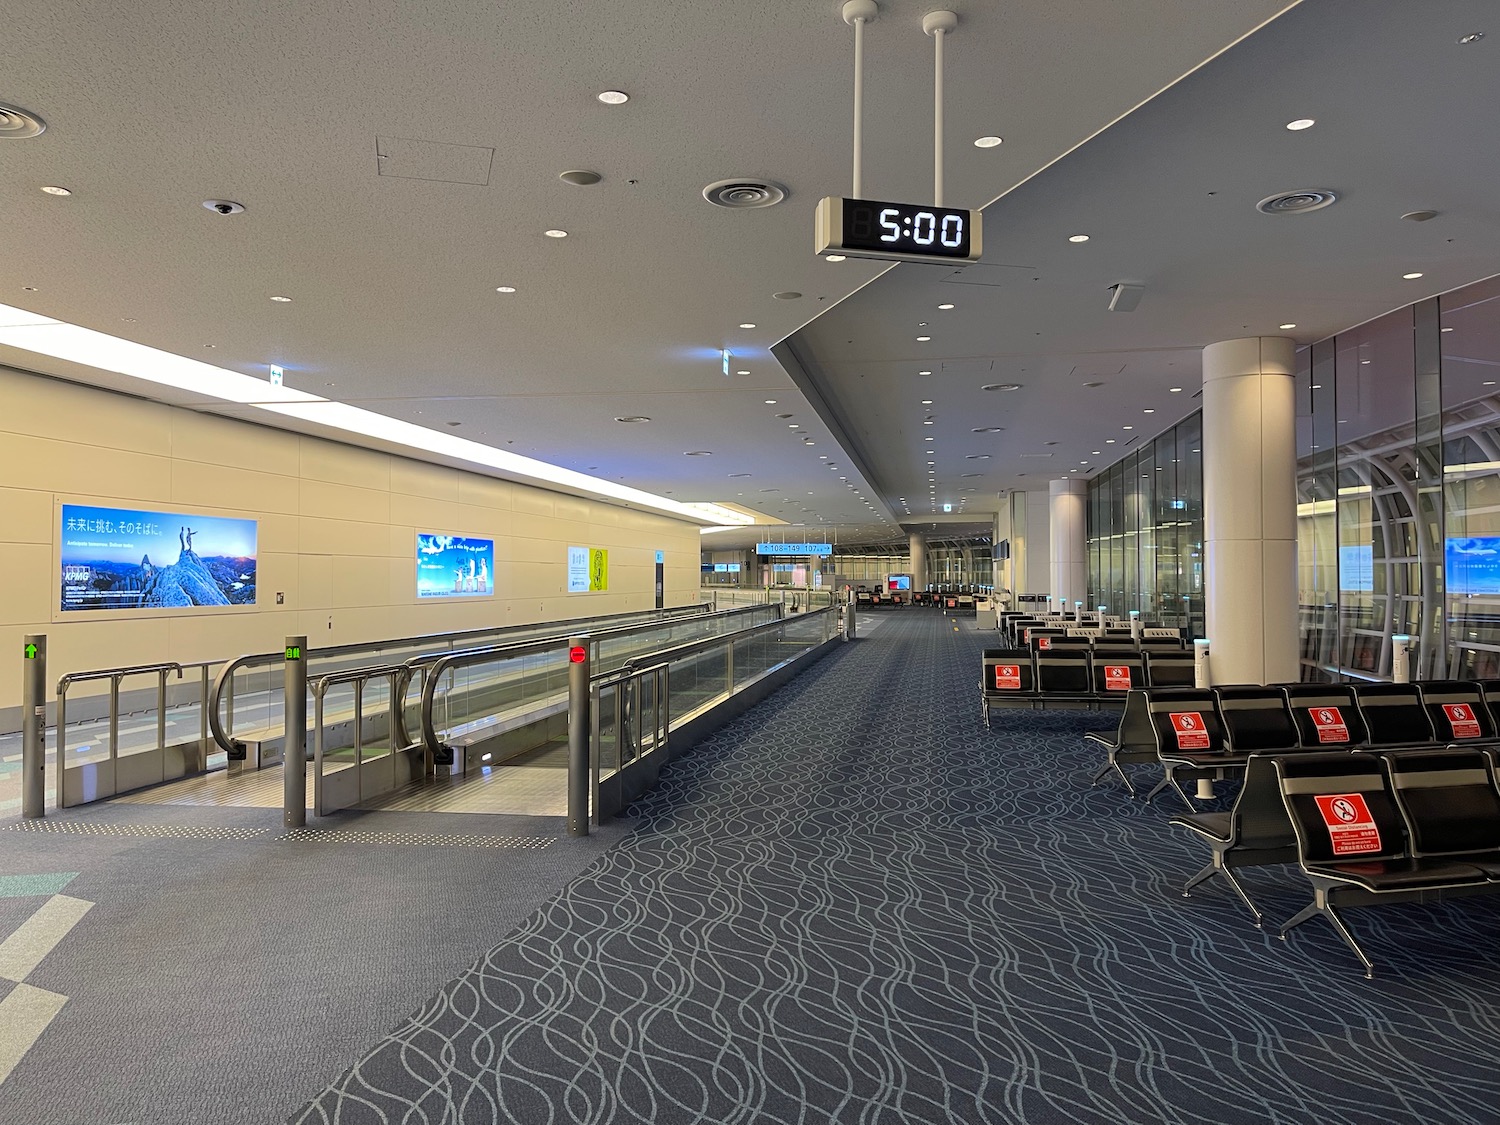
[{"x": 812, "y": 549}]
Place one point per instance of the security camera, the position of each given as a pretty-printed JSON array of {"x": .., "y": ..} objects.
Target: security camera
[{"x": 224, "y": 206}]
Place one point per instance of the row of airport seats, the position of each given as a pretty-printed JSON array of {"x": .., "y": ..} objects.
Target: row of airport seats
[
  {"x": 1379, "y": 792},
  {"x": 1081, "y": 676},
  {"x": 1021, "y": 629}
]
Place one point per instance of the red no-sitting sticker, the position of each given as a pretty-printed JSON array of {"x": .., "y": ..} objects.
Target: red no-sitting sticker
[
  {"x": 1116, "y": 677},
  {"x": 1190, "y": 732},
  {"x": 1008, "y": 676},
  {"x": 1461, "y": 718},
  {"x": 1330, "y": 725},
  {"x": 1044, "y": 642},
  {"x": 1350, "y": 825}
]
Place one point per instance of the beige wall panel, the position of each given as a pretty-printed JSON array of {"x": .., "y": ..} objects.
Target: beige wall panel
[
  {"x": 30, "y": 582},
  {"x": 360, "y": 581},
  {"x": 50, "y": 408},
  {"x": 344, "y": 502},
  {"x": 333, "y": 463},
  {"x": 344, "y": 537},
  {"x": 209, "y": 440},
  {"x": 315, "y": 582},
  {"x": 417, "y": 478},
  {"x": 487, "y": 492},
  {"x": 44, "y": 465},
  {"x": 28, "y": 515},
  {"x": 198, "y": 486},
  {"x": 418, "y": 514},
  {"x": 535, "y": 501}
]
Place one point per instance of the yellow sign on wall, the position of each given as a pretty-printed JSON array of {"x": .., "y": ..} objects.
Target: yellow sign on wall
[
  {"x": 588, "y": 570},
  {"x": 598, "y": 568}
]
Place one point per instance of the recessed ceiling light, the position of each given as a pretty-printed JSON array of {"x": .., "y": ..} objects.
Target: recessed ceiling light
[
  {"x": 1078, "y": 238},
  {"x": 1301, "y": 123},
  {"x": 505, "y": 289},
  {"x": 1472, "y": 37},
  {"x": 1174, "y": 390},
  {"x": 995, "y": 142},
  {"x": 747, "y": 324},
  {"x": 1447, "y": 330},
  {"x": 770, "y": 402},
  {"x": 1109, "y": 441},
  {"x": 1095, "y": 452},
  {"x": 946, "y": 306},
  {"x": 833, "y": 257},
  {"x": 282, "y": 300},
  {"x": 928, "y": 422},
  {"x": 53, "y": 189},
  {"x": 1149, "y": 410},
  {"x": 613, "y": 97},
  {"x": 1366, "y": 361},
  {"x": 210, "y": 345},
  {"x": 1129, "y": 427},
  {"x": 924, "y": 372},
  {"x": 555, "y": 233},
  {"x": 927, "y": 402},
  {"x": 742, "y": 372},
  {"x": 699, "y": 453},
  {"x": 923, "y": 339},
  {"x": 1410, "y": 276},
  {"x": 633, "y": 418},
  {"x": 1286, "y": 327},
  {"x": 30, "y": 288}
]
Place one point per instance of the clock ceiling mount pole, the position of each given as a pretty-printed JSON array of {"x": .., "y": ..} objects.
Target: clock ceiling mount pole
[
  {"x": 856, "y": 14},
  {"x": 938, "y": 25}
]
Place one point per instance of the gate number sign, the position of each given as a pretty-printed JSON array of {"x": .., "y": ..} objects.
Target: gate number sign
[
  {"x": 1008, "y": 676},
  {"x": 1330, "y": 725},
  {"x": 1462, "y": 720},
  {"x": 1350, "y": 825},
  {"x": 1190, "y": 732}
]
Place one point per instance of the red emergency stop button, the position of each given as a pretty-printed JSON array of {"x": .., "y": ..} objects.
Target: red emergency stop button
[{"x": 577, "y": 654}]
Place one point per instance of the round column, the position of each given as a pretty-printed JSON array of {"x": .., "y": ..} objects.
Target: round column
[
  {"x": 1070, "y": 561},
  {"x": 918, "y": 547},
  {"x": 1250, "y": 509}
]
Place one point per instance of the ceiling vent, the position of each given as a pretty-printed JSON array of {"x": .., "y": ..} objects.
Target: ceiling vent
[
  {"x": 1297, "y": 202},
  {"x": 16, "y": 124},
  {"x": 741, "y": 194}
]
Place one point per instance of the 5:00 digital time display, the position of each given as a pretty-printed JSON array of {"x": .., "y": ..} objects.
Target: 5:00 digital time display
[{"x": 868, "y": 228}]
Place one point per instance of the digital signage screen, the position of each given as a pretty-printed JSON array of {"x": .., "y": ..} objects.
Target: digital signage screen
[
  {"x": 898, "y": 582},
  {"x": 588, "y": 570},
  {"x": 451, "y": 566},
  {"x": 1473, "y": 565},
  {"x": 125, "y": 558}
]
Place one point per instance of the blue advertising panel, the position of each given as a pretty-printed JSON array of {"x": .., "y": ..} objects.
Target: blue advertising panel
[
  {"x": 1357, "y": 568},
  {"x": 451, "y": 566},
  {"x": 1473, "y": 566},
  {"x": 806, "y": 549},
  {"x": 121, "y": 558}
]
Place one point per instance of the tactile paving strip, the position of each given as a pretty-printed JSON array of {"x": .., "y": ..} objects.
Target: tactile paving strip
[
  {"x": 418, "y": 839},
  {"x": 174, "y": 831}
]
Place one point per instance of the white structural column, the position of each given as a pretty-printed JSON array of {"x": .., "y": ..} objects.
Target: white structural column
[
  {"x": 1250, "y": 510},
  {"x": 918, "y": 561},
  {"x": 1069, "y": 554}
]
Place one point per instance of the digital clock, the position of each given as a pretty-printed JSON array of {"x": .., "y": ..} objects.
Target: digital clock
[{"x": 902, "y": 232}]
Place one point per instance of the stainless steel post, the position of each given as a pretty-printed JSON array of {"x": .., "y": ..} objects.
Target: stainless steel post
[
  {"x": 850, "y": 628},
  {"x": 578, "y": 736},
  {"x": 294, "y": 735},
  {"x": 34, "y": 727},
  {"x": 1401, "y": 658}
]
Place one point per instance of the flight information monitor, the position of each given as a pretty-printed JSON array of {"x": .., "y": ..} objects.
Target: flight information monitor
[{"x": 902, "y": 232}]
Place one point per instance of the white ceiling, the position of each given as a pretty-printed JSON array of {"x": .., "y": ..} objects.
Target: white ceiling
[
  {"x": 1405, "y": 121},
  {"x": 156, "y": 105}
]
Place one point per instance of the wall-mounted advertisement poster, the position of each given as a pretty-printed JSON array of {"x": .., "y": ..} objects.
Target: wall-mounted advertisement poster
[
  {"x": 588, "y": 570},
  {"x": 1357, "y": 568},
  {"x": 121, "y": 558},
  {"x": 451, "y": 566},
  {"x": 1473, "y": 566}
]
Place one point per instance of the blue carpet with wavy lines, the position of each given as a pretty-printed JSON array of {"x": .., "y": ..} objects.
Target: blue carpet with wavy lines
[{"x": 854, "y": 904}]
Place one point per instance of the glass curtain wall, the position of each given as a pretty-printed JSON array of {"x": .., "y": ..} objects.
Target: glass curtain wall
[
  {"x": 1398, "y": 499},
  {"x": 1145, "y": 530}
]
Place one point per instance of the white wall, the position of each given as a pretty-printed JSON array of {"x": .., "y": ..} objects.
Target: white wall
[
  {"x": 1030, "y": 542},
  {"x": 337, "y": 533}
]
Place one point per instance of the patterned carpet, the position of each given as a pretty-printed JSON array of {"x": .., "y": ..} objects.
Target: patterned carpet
[{"x": 856, "y": 905}]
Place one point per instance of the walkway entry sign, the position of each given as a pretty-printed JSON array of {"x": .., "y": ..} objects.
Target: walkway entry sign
[
  {"x": 1462, "y": 720},
  {"x": 1008, "y": 677},
  {"x": 1330, "y": 724},
  {"x": 1116, "y": 677},
  {"x": 1191, "y": 734},
  {"x": 1350, "y": 825}
]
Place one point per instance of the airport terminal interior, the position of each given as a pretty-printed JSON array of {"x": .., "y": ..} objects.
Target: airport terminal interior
[{"x": 860, "y": 561}]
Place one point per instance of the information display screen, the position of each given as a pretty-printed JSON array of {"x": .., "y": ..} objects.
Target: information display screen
[
  {"x": 124, "y": 558},
  {"x": 1357, "y": 568},
  {"x": 452, "y": 566},
  {"x": 898, "y": 582},
  {"x": 1473, "y": 566}
]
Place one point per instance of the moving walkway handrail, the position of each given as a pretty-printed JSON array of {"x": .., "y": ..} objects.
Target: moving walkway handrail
[
  {"x": 224, "y": 739},
  {"x": 114, "y": 676},
  {"x": 447, "y": 661},
  {"x": 692, "y": 648}
]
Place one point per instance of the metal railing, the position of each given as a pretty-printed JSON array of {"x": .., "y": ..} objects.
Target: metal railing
[
  {"x": 115, "y": 676},
  {"x": 329, "y": 791},
  {"x": 221, "y": 715}
]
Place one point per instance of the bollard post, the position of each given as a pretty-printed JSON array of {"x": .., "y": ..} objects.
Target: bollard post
[
  {"x": 1101, "y": 615},
  {"x": 294, "y": 736},
  {"x": 578, "y": 735},
  {"x": 1135, "y": 625},
  {"x": 851, "y": 629},
  {"x": 34, "y": 727},
  {"x": 1077, "y": 612},
  {"x": 1401, "y": 658}
]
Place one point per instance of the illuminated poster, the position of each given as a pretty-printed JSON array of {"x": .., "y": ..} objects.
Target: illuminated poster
[
  {"x": 451, "y": 566},
  {"x": 1473, "y": 565},
  {"x": 119, "y": 558},
  {"x": 588, "y": 570}
]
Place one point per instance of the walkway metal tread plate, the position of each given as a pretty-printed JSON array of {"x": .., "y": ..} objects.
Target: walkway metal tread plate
[
  {"x": 423, "y": 839},
  {"x": 175, "y": 831},
  {"x": 310, "y": 835}
]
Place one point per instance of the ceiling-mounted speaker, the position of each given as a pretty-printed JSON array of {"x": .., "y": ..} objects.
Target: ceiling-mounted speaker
[{"x": 1124, "y": 296}]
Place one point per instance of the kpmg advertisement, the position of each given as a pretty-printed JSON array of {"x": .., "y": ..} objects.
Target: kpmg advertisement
[
  {"x": 121, "y": 558},
  {"x": 1473, "y": 566},
  {"x": 588, "y": 570},
  {"x": 450, "y": 566}
]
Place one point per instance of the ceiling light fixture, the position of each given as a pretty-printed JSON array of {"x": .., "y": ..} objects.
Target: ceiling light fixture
[
  {"x": 1286, "y": 327},
  {"x": 747, "y": 324},
  {"x": 699, "y": 453},
  {"x": 1078, "y": 238},
  {"x": 996, "y": 142},
  {"x": 1472, "y": 37},
  {"x": 555, "y": 233},
  {"x": 770, "y": 402},
  {"x": 53, "y": 189},
  {"x": 1410, "y": 276},
  {"x": 505, "y": 289},
  {"x": 947, "y": 306},
  {"x": 613, "y": 97},
  {"x": 282, "y": 300},
  {"x": 924, "y": 372},
  {"x": 833, "y": 257},
  {"x": 1301, "y": 123},
  {"x": 1174, "y": 390},
  {"x": 923, "y": 339},
  {"x": 633, "y": 418}
]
